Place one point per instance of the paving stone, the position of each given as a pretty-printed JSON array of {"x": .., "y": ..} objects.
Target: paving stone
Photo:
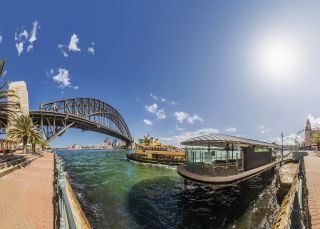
[
  {"x": 26, "y": 196},
  {"x": 312, "y": 169}
]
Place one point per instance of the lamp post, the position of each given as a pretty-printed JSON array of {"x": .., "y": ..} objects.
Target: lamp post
[{"x": 281, "y": 148}]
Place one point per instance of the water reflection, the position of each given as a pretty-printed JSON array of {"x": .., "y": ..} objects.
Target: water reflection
[
  {"x": 116, "y": 193},
  {"x": 162, "y": 203}
]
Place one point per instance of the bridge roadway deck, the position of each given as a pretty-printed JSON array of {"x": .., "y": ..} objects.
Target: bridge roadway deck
[
  {"x": 312, "y": 172},
  {"x": 26, "y": 196}
]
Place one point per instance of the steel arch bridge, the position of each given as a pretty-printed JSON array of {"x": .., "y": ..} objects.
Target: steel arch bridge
[{"x": 54, "y": 118}]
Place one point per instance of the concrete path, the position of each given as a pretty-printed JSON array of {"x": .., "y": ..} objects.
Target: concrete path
[
  {"x": 312, "y": 169},
  {"x": 26, "y": 196}
]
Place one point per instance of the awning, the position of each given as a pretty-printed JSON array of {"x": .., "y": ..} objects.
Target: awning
[{"x": 222, "y": 140}]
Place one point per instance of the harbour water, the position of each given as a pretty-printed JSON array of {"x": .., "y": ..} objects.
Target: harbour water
[{"x": 116, "y": 193}]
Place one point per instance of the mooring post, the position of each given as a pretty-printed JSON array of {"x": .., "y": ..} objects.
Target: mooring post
[{"x": 281, "y": 149}]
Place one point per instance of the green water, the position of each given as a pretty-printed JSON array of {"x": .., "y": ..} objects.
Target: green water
[{"x": 116, "y": 193}]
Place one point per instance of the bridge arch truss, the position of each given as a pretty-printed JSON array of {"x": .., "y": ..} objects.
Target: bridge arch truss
[{"x": 54, "y": 118}]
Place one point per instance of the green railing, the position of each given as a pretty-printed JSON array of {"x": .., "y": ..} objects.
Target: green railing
[{"x": 64, "y": 217}]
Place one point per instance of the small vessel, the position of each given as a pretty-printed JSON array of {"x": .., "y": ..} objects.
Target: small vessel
[{"x": 151, "y": 150}]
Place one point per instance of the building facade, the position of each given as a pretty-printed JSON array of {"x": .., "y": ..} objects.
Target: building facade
[
  {"x": 22, "y": 97},
  {"x": 308, "y": 132}
]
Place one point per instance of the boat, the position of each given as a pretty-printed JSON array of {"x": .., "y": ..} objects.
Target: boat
[{"x": 151, "y": 151}]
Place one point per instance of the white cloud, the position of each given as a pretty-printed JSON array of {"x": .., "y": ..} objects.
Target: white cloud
[
  {"x": 160, "y": 113},
  {"x": 19, "y": 47},
  {"x": 62, "y": 77},
  {"x": 315, "y": 122},
  {"x": 183, "y": 116},
  {"x": 147, "y": 122},
  {"x": 91, "y": 50},
  {"x": 20, "y": 39},
  {"x": 162, "y": 99},
  {"x": 24, "y": 34},
  {"x": 62, "y": 47},
  {"x": 24, "y": 38},
  {"x": 231, "y": 130},
  {"x": 290, "y": 139},
  {"x": 154, "y": 97},
  {"x": 263, "y": 129},
  {"x": 185, "y": 135},
  {"x": 73, "y": 45},
  {"x": 33, "y": 36},
  {"x": 179, "y": 128},
  {"x": 1, "y": 39}
]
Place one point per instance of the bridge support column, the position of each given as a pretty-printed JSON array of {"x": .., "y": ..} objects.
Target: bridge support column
[{"x": 59, "y": 132}]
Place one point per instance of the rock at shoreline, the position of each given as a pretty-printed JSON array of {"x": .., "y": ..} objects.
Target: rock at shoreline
[{"x": 287, "y": 173}]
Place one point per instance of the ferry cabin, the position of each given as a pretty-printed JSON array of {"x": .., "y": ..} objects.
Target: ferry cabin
[
  {"x": 162, "y": 152},
  {"x": 151, "y": 148}
]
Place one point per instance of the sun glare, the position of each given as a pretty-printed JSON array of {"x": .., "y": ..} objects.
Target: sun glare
[{"x": 278, "y": 58}]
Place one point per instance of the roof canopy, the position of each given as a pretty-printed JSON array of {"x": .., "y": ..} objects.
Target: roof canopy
[{"x": 222, "y": 140}]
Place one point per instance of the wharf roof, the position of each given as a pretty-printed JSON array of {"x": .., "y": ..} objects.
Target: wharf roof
[{"x": 222, "y": 140}]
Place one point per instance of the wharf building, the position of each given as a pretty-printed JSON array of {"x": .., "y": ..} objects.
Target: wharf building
[{"x": 221, "y": 160}]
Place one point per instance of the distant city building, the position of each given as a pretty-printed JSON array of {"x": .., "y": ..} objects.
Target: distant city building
[
  {"x": 308, "y": 132},
  {"x": 106, "y": 144},
  {"x": 21, "y": 92},
  {"x": 74, "y": 146}
]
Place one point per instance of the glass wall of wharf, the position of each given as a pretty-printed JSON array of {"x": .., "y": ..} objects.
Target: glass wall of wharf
[{"x": 214, "y": 161}]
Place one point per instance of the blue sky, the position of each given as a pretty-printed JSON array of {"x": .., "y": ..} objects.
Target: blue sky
[{"x": 247, "y": 68}]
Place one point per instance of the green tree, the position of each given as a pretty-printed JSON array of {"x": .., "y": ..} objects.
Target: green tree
[
  {"x": 23, "y": 129},
  {"x": 315, "y": 139},
  {"x": 35, "y": 138},
  {"x": 7, "y": 109},
  {"x": 44, "y": 143}
]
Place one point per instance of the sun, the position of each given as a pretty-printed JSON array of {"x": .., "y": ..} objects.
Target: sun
[{"x": 278, "y": 58}]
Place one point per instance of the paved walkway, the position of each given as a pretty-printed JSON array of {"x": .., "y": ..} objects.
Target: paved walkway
[
  {"x": 312, "y": 169},
  {"x": 26, "y": 196}
]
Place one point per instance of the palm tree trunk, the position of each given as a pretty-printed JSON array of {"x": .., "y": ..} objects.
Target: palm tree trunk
[
  {"x": 25, "y": 145},
  {"x": 34, "y": 148}
]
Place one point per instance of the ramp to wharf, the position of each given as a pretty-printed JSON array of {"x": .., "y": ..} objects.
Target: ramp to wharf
[
  {"x": 26, "y": 196},
  {"x": 312, "y": 173}
]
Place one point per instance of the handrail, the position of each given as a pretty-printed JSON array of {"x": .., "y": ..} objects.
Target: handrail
[
  {"x": 64, "y": 213},
  {"x": 294, "y": 204}
]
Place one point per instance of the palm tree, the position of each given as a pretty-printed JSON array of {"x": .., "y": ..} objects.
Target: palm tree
[
  {"x": 7, "y": 108},
  {"x": 23, "y": 129},
  {"x": 43, "y": 143},
  {"x": 315, "y": 139},
  {"x": 35, "y": 138}
]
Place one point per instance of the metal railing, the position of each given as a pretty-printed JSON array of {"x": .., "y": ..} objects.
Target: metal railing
[
  {"x": 293, "y": 211},
  {"x": 64, "y": 218}
]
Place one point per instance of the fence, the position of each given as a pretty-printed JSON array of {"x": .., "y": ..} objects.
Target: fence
[
  {"x": 293, "y": 211},
  {"x": 68, "y": 213}
]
